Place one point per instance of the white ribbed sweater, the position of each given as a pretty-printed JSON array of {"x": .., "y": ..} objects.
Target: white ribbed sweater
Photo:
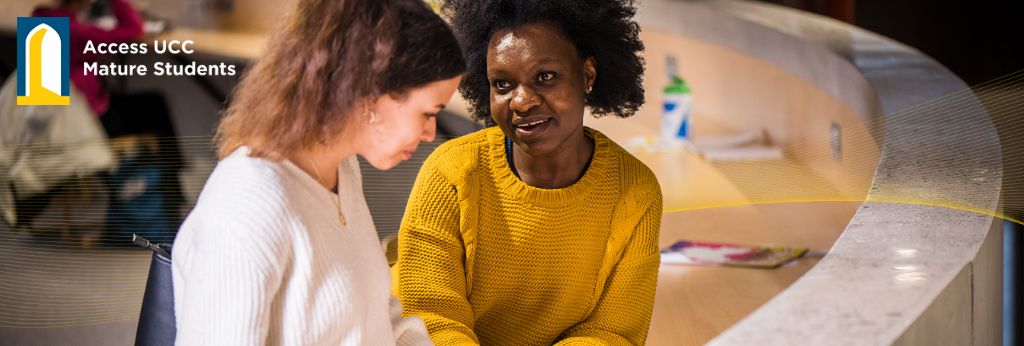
[{"x": 263, "y": 259}]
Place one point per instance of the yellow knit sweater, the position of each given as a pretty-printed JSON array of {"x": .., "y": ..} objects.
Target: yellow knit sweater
[{"x": 486, "y": 259}]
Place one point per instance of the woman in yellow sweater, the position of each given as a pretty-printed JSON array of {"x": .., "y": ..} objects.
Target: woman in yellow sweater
[{"x": 538, "y": 231}]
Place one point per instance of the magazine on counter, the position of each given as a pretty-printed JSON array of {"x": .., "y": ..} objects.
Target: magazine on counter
[{"x": 723, "y": 254}]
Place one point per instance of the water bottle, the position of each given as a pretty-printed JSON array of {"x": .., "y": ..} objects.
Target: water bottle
[{"x": 677, "y": 107}]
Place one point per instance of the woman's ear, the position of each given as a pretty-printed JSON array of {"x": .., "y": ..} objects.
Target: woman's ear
[
  {"x": 589, "y": 73},
  {"x": 367, "y": 107}
]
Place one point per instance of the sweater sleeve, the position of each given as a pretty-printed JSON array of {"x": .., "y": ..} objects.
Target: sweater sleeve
[
  {"x": 623, "y": 312},
  {"x": 430, "y": 277},
  {"x": 409, "y": 331},
  {"x": 230, "y": 269}
]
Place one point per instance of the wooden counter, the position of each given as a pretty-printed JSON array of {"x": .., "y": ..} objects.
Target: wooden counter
[
  {"x": 694, "y": 304},
  {"x": 804, "y": 200}
]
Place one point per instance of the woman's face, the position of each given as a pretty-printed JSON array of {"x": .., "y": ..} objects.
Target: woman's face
[
  {"x": 538, "y": 86},
  {"x": 398, "y": 125}
]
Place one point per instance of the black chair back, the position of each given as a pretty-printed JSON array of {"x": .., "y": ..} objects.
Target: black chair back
[{"x": 156, "y": 320}]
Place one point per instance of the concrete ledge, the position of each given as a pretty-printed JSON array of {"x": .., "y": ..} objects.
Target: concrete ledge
[{"x": 919, "y": 262}]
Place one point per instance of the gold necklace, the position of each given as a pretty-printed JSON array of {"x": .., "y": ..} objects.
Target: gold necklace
[{"x": 337, "y": 204}]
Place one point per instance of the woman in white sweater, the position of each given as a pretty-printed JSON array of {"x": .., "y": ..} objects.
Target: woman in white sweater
[{"x": 280, "y": 248}]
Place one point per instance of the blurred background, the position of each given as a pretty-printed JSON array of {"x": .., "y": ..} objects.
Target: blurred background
[{"x": 70, "y": 275}]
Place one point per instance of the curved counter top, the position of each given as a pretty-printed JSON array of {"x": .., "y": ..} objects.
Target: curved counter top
[{"x": 920, "y": 261}]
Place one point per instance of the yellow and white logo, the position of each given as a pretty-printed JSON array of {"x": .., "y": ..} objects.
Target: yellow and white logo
[{"x": 43, "y": 61}]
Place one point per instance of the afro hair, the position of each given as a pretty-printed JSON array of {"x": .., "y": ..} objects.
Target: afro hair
[{"x": 602, "y": 29}]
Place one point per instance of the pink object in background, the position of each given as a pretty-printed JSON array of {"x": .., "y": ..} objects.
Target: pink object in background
[{"x": 707, "y": 253}]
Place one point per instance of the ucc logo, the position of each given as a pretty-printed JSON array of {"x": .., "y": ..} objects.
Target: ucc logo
[{"x": 43, "y": 61}]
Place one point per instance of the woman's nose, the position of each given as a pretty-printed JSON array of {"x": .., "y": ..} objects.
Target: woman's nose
[
  {"x": 524, "y": 99},
  {"x": 430, "y": 130}
]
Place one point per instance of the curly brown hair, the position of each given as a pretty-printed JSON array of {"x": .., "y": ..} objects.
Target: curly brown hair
[
  {"x": 602, "y": 29},
  {"x": 330, "y": 59}
]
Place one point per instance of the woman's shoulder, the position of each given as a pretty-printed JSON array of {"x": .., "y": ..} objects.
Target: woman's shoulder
[
  {"x": 243, "y": 204},
  {"x": 247, "y": 189},
  {"x": 463, "y": 155},
  {"x": 244, "y": 173},
  {"x": 633, "y": 174}
]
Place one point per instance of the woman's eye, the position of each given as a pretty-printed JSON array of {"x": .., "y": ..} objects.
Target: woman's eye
[
  {"x": 546, "y": 76},
  {"x": 502, "y": 85}
]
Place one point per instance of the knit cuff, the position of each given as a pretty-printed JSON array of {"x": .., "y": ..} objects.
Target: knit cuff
[{"x": 414, "y": 335}]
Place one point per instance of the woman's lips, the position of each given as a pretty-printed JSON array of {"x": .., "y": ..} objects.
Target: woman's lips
[
  {"x": 532, "y": 128},
  {"x": 407, "y": 153}
]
